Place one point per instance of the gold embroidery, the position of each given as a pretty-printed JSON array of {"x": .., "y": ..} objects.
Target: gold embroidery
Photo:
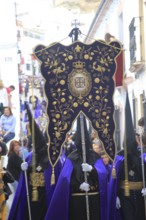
[
  {"x": 78, "y": 77},
  {"x": 79, "y": 82},
  {"x": 37, "y": 179},
  {"x": 77, "y": 48},
  {"x": 86, "y": 104},
  {"x": 75, "y": 104},
  {"x": 62, "y": 82}
]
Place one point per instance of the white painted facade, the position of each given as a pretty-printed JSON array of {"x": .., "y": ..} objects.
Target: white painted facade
[
  {"x": 8, "y": 54},
  {"x": 115, "y": 18}
]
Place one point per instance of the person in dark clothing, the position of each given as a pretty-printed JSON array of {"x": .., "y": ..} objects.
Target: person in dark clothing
[
  {"x": 127, "y": 190},
  {"x": 3, "y": 148},
  {"x": 128, "y": 207},
  {"x": 7, "y": 178},
  {"x": 39, "y": 173},
  {"x": 69, "y": 201},
  {"x": 132, "y": 207},
  {"x": 14, "y": 161}
]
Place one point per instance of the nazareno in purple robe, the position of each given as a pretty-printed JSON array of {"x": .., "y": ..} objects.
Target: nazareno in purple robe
[
  {"x": 19, "y": 205},
  {"x": 114, "y": 214},
  {"x": 59, "y": 206}
]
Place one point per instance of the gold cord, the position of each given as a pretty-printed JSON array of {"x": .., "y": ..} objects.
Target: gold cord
[{"x": 103, "y": 42}]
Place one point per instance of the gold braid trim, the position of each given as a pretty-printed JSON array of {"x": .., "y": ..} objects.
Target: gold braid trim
[{"x": 131, "y": 185}]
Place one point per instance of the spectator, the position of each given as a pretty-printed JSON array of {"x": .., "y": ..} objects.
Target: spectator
[
  {"x": 106, "y": 160},
  {"x": 97, "y": 146},
  {"x": 139, "y": 130},
  {"x": 6, "y": 175},
  {"x": 3, "y": 97},
  {"x": 108, "y": 37},
  {"x": 9, "y": 90},
  {"x": 141, "y": 122},
  {"x": 14, "y": 161},
  {"x": 3, "y": 148},
  {"x": 7, "y": 178},
  {"x": 7, "y": 125}
]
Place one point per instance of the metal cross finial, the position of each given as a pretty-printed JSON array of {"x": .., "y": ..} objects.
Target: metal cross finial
[{"x": 75, "y": 23}]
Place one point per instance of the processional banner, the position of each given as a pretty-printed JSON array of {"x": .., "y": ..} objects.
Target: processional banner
[{"x": 79, "y": 78}]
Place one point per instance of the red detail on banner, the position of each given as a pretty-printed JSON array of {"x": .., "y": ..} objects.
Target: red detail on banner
[{"x": 119, "y": 70}]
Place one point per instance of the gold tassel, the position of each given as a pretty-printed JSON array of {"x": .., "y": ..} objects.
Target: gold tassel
[
  {"x": 53, "y": 177},
  {"x": 35, "y": 195},
  {"x": 127, "y": 193},
  {"x": 114, "y": 172}
]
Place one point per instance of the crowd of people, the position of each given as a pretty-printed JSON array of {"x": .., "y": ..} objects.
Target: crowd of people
[
  {"x": 106, "y": 195},
  {"x": 5, "y": 96},
  {"x": 83, "y": 189}
]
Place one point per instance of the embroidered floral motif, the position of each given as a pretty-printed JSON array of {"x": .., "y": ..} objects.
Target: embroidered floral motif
[{"x": 79, "y": 78}]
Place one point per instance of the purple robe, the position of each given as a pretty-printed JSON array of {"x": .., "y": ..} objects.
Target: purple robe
[
  {"x": 19, "y": 205},
  {"x": 114, "y": 213},
  {"x": 59, "y": 206}
]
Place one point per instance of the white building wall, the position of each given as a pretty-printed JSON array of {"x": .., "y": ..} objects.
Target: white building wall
[
  {"x": 116, "y": 22},
  {"x": 8, "y": 54}
]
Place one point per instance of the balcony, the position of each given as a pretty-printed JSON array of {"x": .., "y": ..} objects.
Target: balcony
[{"x": 136, "y": 45}]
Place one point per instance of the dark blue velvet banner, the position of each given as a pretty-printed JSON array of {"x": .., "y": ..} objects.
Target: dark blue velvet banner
[{"x": 79, "y": 78}]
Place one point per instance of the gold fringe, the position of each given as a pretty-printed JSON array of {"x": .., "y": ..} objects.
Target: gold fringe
[
  {"x": 114, "y": 172},
  {"x": 127, "y": 192},
  {"x": 53, "y": 177},
  {"x": 35, "y": 194}
]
